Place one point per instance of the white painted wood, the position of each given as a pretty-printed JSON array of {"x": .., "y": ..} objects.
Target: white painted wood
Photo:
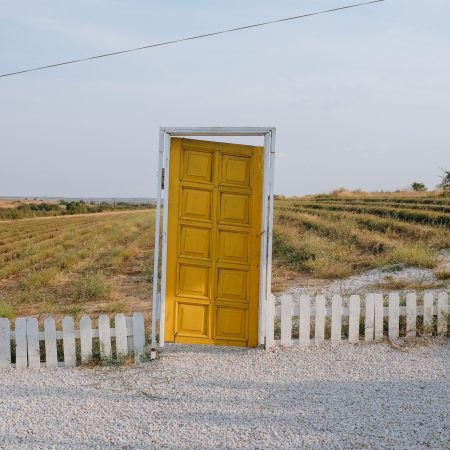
[
  {"x": 305, "y": 321},
  {"x": 271, "y": 322},
  {"x": 20, "y": 332},
  {"x": 286, "y": 319},
  {"x": 86, "y": 339},
  {"x": 336, "y": 318},
  {"x": 442, "y": 314},
  {"x": 104, "y": 335},
  {"x": 353, "y": 319},
  {"x": 394, "y": 309},
  {"x": 138, "y": 336},
  {"x": 428, "y": 300},
  {"x": 411, "y": 315},
  {"x": 162, "y": 321},
  {"x": 156, "y": 297},
  {"x": 369, "y": 318},
  {"x": 69, "y": 342},
  {"x": 120, "y": 324},
  {"x": 319, "y": 323},
  {"x": 378, "y": 316},
  {"x": 130, "y": 339},
  {"x": 51, "y": 353},
  {"x": 263, "y": 252},
  {"x": 270, "y": 231},
  {"x": 34, "y": 357},
  {"x": 5, "y": 343},
  {"x": 218, "y": 131}
]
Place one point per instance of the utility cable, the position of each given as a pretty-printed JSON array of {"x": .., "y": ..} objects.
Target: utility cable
[{"x": 191, "y": 38}]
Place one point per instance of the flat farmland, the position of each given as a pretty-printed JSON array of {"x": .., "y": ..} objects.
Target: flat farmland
[
  {"x": 102, "y": 262},
  {"x": 337, "y": 236},
  {"x": 90, "y": 263}
]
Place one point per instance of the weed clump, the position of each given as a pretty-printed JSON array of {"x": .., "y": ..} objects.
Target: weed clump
[{"x": 90, "y": 287}]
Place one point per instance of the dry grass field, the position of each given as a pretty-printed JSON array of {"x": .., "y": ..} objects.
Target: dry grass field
[
  {"x": 335, "y": 236},
  {"x": 101, "y": 262}
]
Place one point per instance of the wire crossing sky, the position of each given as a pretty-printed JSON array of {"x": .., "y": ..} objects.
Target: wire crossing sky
[
  {"x": 360, "y": 100},
  {"x": 191, "y": 38}
]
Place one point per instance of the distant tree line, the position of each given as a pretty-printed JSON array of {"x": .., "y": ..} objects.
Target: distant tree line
[{"x": 67, "y": 207}]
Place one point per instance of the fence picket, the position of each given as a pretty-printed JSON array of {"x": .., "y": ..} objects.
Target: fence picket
[
  {"x": 86, "y": 339},
  {"x": 378, "y": 316},
  {"x": 104, "y": 335},
  {"x": 270, "y": 327},
  {"x": 69, "y": 342},
  {"x": 286, "y": 319},
  {"x": 34, "y": 357},
  {"x": 139, "y": 336},
  {"x": 411, "y": 315},
  {"x": 353, "y": 318},
  {"x": 130, "y": 339},
  {"x": 442, "y": 314},
  {"x": 5, "y": 343},
  {"x": 120, "y": 324},
  {"x": 305, "y": 321},
  {"x": 336, "y": 318},
  {"x": 369, "y": 318},
  {"x": 21, "y": 343},
  {"x": 428, "y": 300},
  {"x": 51, "y": 355},
  {"x": 394, "y": 315},
  {"x": 319, "y": 321}
]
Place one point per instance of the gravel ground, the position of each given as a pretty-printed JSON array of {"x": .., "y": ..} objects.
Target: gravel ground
[{"x": 344, "y": 396}]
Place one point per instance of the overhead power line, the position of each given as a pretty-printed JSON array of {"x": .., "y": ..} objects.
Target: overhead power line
[{"x": 191, "y": 38}]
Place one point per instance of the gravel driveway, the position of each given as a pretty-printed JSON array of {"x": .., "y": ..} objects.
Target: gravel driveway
[{"x": 347, "y": 396}]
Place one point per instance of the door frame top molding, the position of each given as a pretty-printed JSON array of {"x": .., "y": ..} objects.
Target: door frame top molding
[{"x": 160, "y": 254}]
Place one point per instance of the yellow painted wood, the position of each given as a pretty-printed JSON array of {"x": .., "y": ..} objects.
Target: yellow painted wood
[{"x": 213, "y": 246}]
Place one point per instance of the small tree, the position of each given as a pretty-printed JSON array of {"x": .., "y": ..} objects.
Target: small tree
[
  {"x": 416, "y": 186},
  {"x": 445, "y": 183}
]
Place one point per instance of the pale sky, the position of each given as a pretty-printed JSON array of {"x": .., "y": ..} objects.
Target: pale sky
[{"x": 360, "y": 98}]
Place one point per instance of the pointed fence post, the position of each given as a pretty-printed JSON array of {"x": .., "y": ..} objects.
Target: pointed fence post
[
  {"x": 370, "y": 318},
  {"x": 51, "y": 353},
  {"x": 394, "y": 315},
  {"x": 86, "y": 339},
  {"x": 319, "y": 320},
  {"x": 336, "y": 318},
  {"x": 353, "y": 318},
  {"x": 428, "y": 300},
  {"x": 21, "y": 343},
  {"x": 286, "y": 319},
  {"x": 442, "y": 314},
  {"x": 139, "y": 336},
  {"x": 120, "y": 324},
  {"x": 104, "y": 335},
  {"x": 305, "y": 321},
  {"x": 5, "y": 343},
  {"x": 34, "y": 357},
  {"x": 411, "y": 315},
  {"x": 378, "y": 316},
  {"x": 69, "y": 342}
]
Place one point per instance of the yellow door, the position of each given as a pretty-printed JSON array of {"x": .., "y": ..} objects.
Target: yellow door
[{"x": 213, "y": 244}]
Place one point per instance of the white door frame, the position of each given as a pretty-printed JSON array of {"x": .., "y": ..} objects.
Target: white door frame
[{"x": 265, "y": 281}]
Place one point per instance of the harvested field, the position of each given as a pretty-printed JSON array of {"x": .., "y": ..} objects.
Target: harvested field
[
  {"x": 333, "y": 237},
  {"x": 69, "y": 265},
  {"x": 101, "y": 262}
]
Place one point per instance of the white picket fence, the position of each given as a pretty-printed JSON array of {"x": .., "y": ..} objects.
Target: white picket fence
[
  {"x": 313, "y": 317},
  {"x": 128, "y": 332}
]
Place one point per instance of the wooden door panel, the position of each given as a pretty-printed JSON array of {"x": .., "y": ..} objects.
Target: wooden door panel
[
  {"x": 233, "y": 246},
  {"x": 193, "y": 281},
  {"x": 234, "y": 208},
  {"x": 213, "y": 247}
]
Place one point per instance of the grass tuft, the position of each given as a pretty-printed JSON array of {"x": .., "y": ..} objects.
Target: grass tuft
[{"x": 90, "y": 287}]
